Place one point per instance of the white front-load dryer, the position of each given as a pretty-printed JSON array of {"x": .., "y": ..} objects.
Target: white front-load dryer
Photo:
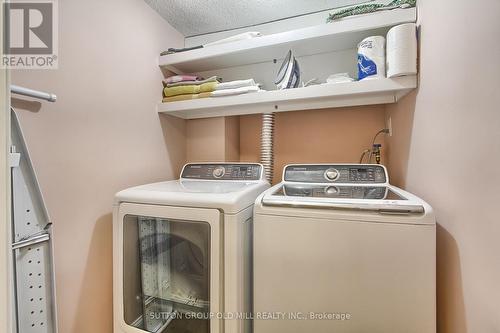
[
  {"x": 182, "y": 251},
  {"x": 338, "y": 249}
]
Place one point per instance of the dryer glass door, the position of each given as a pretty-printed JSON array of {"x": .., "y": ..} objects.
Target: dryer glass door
[{"x": 167, "y": 273}]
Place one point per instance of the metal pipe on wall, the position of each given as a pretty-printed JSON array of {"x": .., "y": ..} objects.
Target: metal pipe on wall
[
  {"x": 33, "y": 93},
  {"x": 267, "y": 145}
]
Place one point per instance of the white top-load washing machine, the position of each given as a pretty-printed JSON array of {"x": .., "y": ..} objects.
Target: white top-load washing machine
[
  {"x": 338, "y": 249},
  {"x": 182, "y": 251}
]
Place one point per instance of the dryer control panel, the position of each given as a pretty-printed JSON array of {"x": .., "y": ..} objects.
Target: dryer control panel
[
  {"x": 336, "y": 173},
  {"x": 223, "y": 171}
]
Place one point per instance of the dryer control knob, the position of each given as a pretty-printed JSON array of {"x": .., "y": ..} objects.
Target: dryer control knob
[
  {"x": 332, "y": 174},
  {"x": 219, "y": 172},
  {"x": 331, "y": 190}
]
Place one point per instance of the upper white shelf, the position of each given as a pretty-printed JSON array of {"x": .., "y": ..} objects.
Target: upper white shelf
[
  {"x": 340, "y": 35},
  {"x": 365, "y": 92}
]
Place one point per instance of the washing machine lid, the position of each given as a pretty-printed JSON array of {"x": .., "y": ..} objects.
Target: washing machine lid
[
  {"x": 379, "y": 198},
  {"x": 230, "y": 187},
  {"x": 341, "y": 186}
]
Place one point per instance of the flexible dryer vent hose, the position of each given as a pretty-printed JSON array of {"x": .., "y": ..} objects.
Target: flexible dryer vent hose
[{"x": 267, "y": 145}]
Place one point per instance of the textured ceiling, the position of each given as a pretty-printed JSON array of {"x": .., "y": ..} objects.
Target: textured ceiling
[{"x": 196, "y": 17}]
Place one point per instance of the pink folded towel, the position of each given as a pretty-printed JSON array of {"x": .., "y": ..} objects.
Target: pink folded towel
[{"x": 190, "y": 83}]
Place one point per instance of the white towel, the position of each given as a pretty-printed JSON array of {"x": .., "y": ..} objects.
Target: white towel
[
  {"x": 236, "y": 84},
  {"x": 236, "y": 91}
]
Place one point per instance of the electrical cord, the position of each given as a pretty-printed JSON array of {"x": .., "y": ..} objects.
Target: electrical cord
[{"x": 384, "y": 130}]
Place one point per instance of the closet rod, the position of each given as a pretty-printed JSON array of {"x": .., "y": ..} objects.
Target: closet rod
[{"x": 33, "y": 93}]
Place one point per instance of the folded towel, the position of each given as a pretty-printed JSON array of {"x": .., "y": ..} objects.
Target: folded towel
[
  {"x": 236, "y": 84},
  {"x": 189, "y": 89},
  {"x": 190, "y": 83},
  {"x": 216, "y": 93},
  {"x": 236, "y": 91},
  {"x": 181, "y": 78},
  {"x": 185, "y": 97}
]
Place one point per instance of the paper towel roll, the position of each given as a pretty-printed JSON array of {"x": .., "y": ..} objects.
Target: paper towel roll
[
  {"x": 371, "y": 57},
  {"x": 402, "y": 50}
]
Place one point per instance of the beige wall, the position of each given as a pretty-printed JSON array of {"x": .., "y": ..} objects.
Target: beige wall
[
  {"x": 446, "y": 147},
  {"x": 213, "y": 139},
  {"x": 102, "y": 135},
  {"x": 314, "y": 136}
]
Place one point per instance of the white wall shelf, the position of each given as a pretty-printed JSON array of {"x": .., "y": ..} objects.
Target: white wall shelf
[
  {"x": 341, "y": 35},
  {"x": 366, "y": 92}
]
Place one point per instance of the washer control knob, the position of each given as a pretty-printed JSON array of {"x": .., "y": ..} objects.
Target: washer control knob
[
  {"x": 332, "y": 174},
  {"x": 219, "y": 172},
  {"x": 331, "y": 190}
]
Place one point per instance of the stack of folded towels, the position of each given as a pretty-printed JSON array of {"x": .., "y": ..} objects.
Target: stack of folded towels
[{"x": 186, "y": 87}]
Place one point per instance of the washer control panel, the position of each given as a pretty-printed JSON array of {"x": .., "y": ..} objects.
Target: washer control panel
[
  {"x": 335, "y": 191},
  {"x": 336, "y": 173},
  {"x": 223, "y": 171}
]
